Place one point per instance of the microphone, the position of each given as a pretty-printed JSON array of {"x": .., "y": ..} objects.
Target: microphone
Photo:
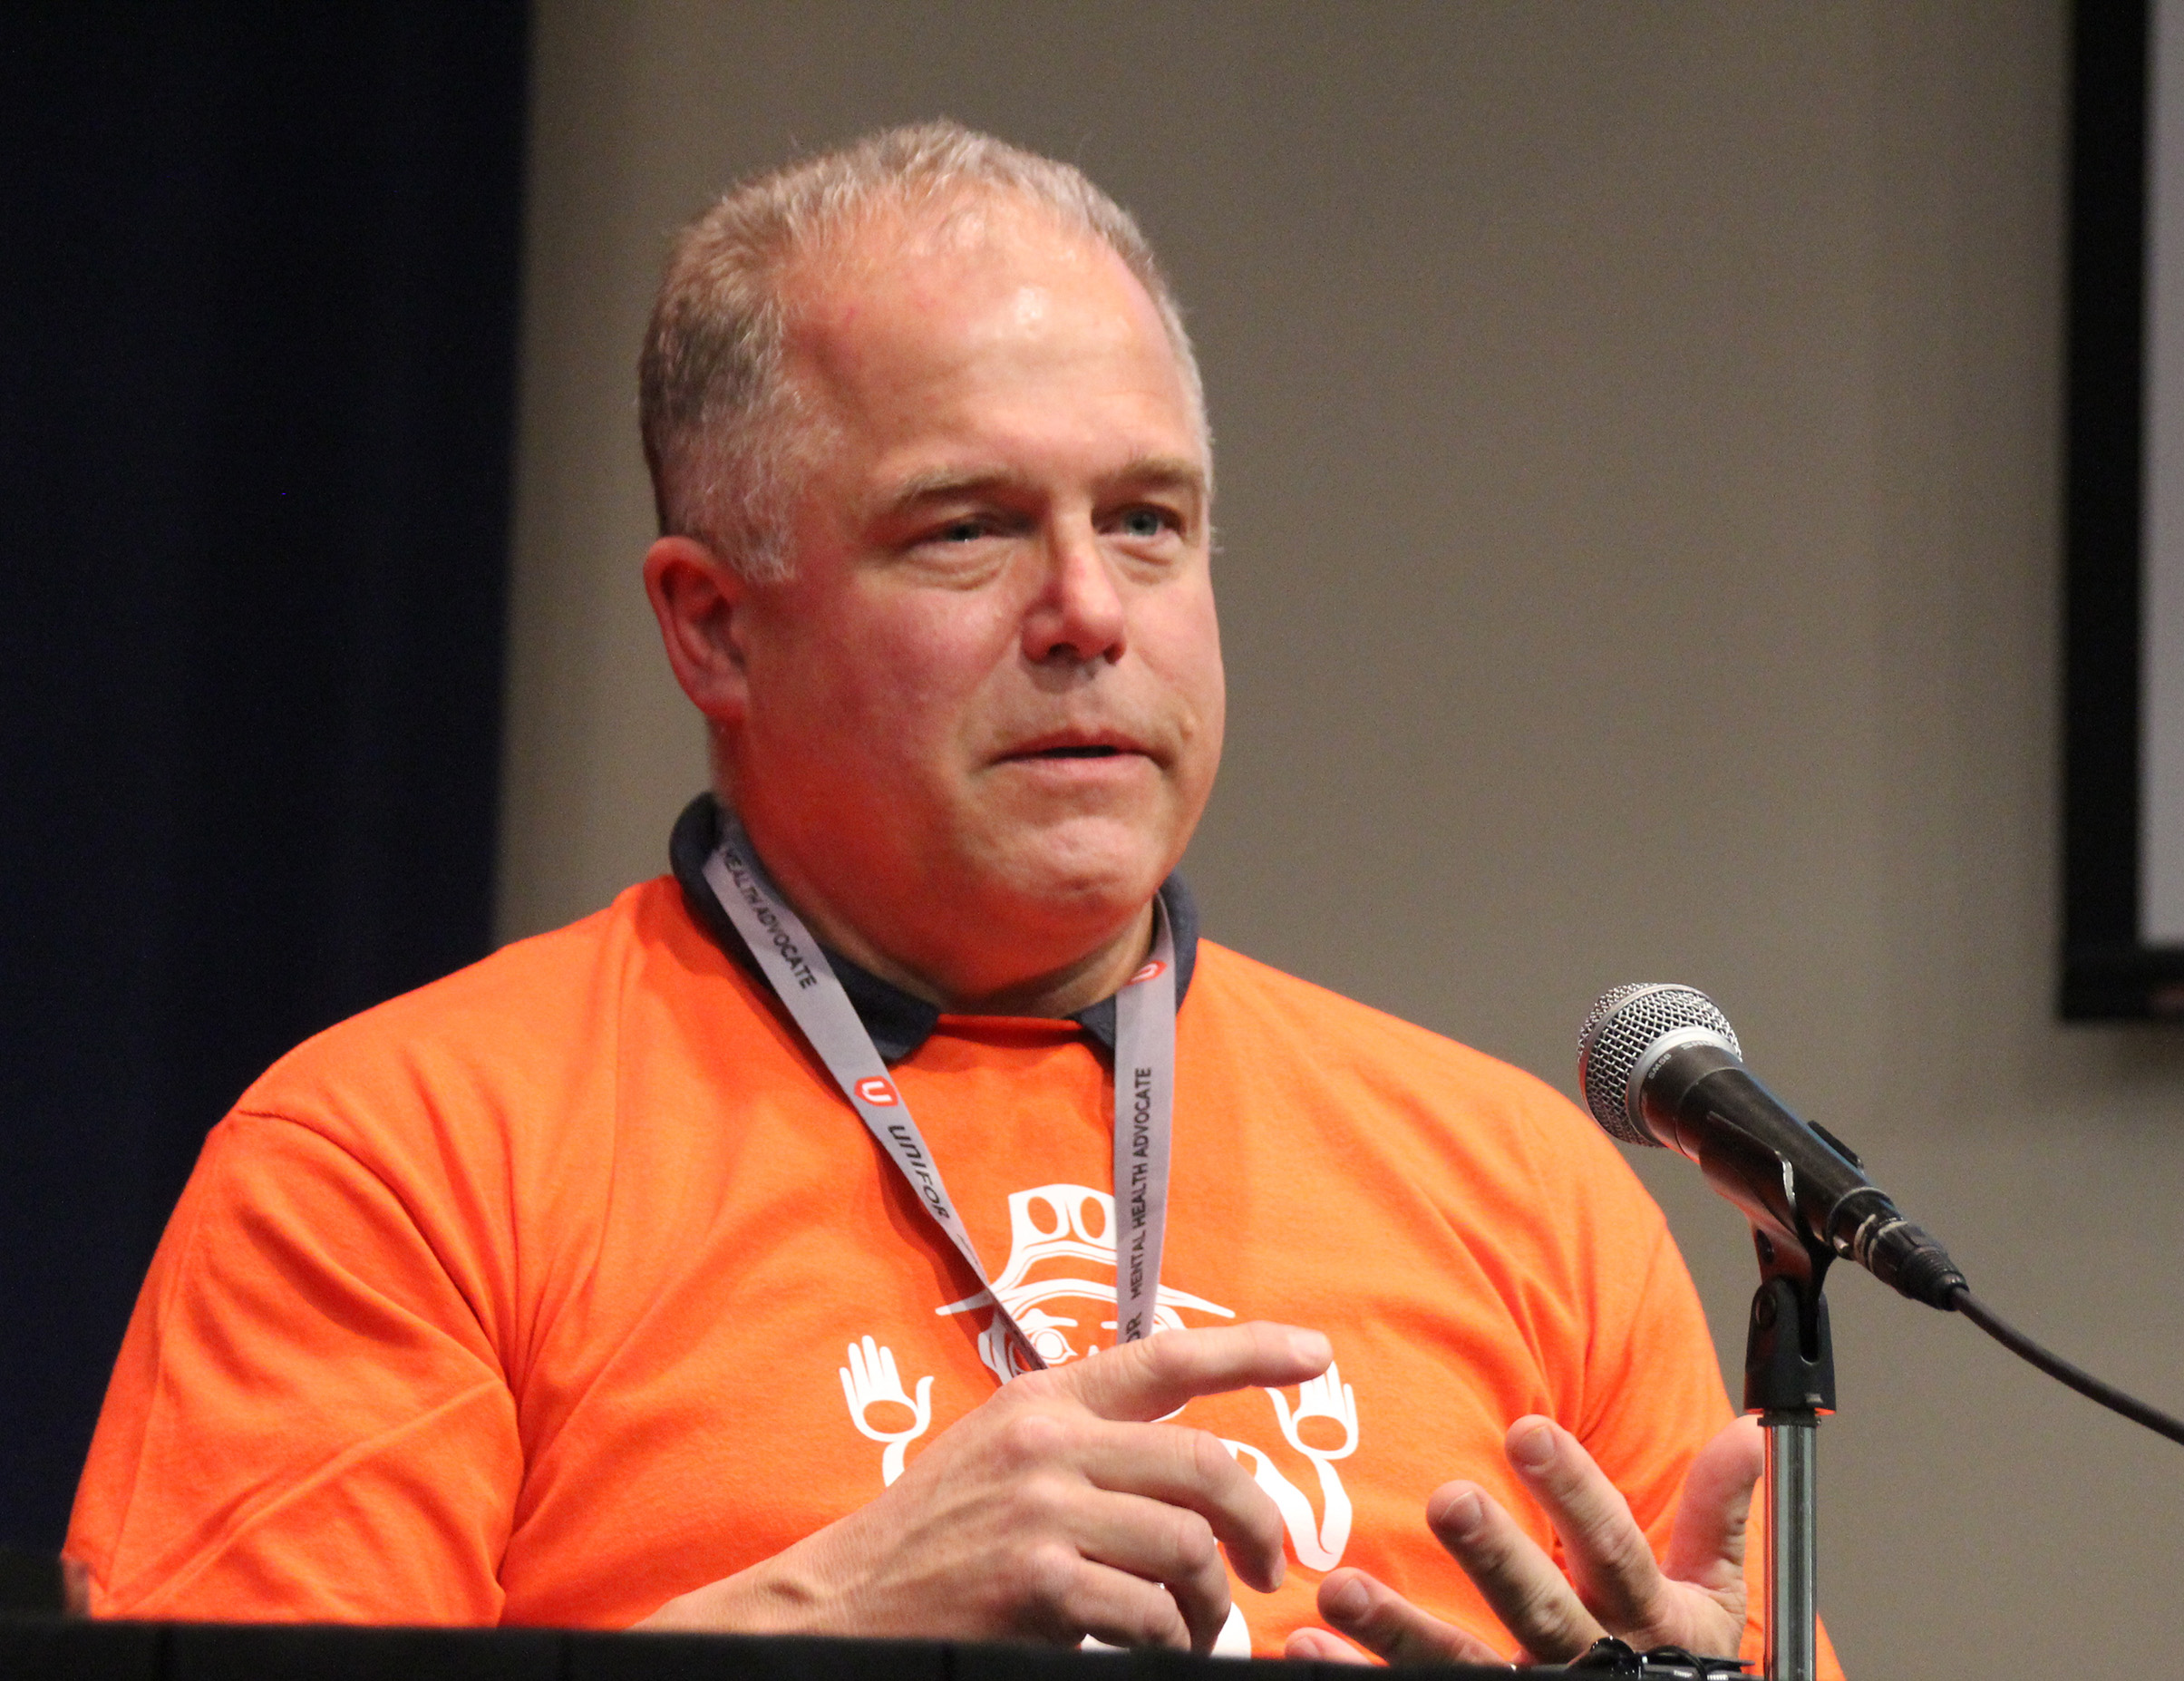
[{"x": 1660, "y": 1065}]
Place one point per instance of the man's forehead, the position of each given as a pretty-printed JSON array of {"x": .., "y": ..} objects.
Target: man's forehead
[{"x": 952, "y": 338}]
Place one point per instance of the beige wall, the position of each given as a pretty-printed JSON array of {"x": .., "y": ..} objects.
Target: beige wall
[{"x": 1639, "y": 435}]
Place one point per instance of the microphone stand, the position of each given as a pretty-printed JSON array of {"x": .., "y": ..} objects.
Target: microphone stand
[{"x": 1790, "y": 1382}]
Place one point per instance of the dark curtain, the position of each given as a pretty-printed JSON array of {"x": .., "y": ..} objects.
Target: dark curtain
[{"x": 257, "y": 317}]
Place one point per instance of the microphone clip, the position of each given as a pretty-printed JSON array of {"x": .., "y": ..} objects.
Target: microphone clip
[{"x": 1789, "y": 1353}]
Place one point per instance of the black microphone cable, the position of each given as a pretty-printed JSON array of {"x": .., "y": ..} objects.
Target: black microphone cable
[{"x": 1962, "y": 1300}]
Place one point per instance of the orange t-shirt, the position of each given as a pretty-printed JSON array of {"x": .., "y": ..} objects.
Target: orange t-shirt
[{"x": 569, "y": 1283}]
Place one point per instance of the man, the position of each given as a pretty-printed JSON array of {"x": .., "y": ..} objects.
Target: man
[{"x": 615, "y": 1279}]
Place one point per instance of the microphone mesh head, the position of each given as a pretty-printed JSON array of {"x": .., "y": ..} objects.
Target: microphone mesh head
[{"x": 1619, "y": 1030}]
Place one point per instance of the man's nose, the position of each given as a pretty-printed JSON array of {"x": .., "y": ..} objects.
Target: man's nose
[{"x": 1077, "y": 617}]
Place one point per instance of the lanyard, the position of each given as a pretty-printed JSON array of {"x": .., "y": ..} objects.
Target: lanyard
[{"x": 1145, "y": 1061}]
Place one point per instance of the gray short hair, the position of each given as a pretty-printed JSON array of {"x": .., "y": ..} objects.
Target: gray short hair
[{"x": 727, "y": 436}]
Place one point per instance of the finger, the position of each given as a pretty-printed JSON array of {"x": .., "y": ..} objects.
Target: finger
[
  {"x": 1706, "y": 1548},
  {"x": 1110, "y": 1605},
  {"x": 1157, "y": 1543},
  {"x": 1151, "y": 1378},
  {"x": 1191, "y": 1470},
  {"x": 1609, "y": 1558},
  {"x": 1387, "y": 1624},
  {"x": 1317, "y": 1645},
  {"x": 1532, "y": 1598}
]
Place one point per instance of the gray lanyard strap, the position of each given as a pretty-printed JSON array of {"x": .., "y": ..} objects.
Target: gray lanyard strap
[
  {"x": 1145, "y": 1058},
  {"x": 1145, "y": 1090}
]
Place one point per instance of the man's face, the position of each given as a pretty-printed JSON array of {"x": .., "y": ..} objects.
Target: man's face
[{"x": 987, "y": 708}]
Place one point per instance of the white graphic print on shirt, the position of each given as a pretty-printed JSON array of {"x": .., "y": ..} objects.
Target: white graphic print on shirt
[{"x": 1064, "y": 1223}]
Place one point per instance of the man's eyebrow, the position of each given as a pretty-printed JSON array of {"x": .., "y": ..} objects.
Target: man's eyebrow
[
  {"x": 1163, "y": 472},
  {"x": 939, "y": 484}
]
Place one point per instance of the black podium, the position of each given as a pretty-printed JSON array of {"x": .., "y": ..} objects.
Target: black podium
[{"x": 51, "y": 1648}]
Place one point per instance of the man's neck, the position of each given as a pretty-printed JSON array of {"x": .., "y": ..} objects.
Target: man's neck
[
  {"x": 1063, "y": 991},
  {"x": 969, "y": 981}
]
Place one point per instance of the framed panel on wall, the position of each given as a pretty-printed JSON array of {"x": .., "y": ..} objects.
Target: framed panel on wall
[{"x": 2123, "y": 826}]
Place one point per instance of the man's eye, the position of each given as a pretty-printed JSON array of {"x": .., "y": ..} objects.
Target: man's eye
[
  {"x": 1142, "y": 522},
  {"x": 961, "y": 531}
]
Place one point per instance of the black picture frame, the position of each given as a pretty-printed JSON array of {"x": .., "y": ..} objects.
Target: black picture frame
[{"x": 2110, "y": 972}]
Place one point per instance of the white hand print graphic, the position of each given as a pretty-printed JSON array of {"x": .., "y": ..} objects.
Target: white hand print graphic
[
  {"x": 869, "y": 1381},
  {"x": 1328, "y": 1397}
]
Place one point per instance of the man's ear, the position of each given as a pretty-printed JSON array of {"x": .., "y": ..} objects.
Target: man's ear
[{"x": 697, "y": 597}]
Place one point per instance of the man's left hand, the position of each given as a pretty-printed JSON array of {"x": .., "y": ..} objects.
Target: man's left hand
[{"x": 1696, "y": 1599}]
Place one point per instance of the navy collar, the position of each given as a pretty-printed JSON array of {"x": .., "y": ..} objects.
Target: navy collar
[{"x": 898, "y": 1022}]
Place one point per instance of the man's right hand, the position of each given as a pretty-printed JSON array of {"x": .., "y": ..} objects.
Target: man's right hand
[{"x": 1056, "y": 1510}]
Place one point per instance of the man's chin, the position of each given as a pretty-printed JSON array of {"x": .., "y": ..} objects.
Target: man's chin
[
  {"x": 1093, "y": 889},
  {"x": 1079, "y": 896},
  {"x": 1083, "y": 857}
]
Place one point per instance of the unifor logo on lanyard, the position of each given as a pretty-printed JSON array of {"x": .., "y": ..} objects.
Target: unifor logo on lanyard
[{"x": 1145, "y": 1062}]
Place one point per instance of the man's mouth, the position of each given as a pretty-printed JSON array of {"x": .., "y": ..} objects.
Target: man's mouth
[
  {"x": 1102, "y": 755},
  {"x": 1075, "y": 744}
]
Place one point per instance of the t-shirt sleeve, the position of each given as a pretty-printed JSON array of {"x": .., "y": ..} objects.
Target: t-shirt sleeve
[{"x": 308, "y": 1379}]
